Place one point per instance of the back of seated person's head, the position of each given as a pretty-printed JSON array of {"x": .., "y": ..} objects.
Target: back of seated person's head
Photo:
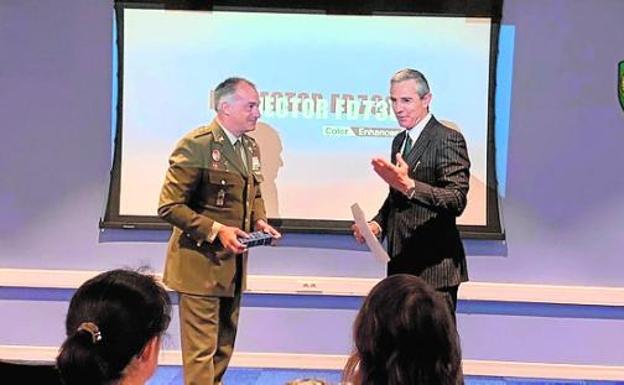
[
  {"x": 28, "y": 372},
  {"x": 404, "y": 335},
  {"x": 114, "y": 324},
  {"x": 307, "y": 381}
]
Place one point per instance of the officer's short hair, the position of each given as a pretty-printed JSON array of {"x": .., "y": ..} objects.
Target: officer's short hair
[{"x": 227, "y": 88}]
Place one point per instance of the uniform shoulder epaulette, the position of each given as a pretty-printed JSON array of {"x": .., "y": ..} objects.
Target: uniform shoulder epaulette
[{"x": 202, "y": 131}]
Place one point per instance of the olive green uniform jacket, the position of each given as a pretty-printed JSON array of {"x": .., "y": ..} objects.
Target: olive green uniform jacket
[{"x": 206, "y": 182}]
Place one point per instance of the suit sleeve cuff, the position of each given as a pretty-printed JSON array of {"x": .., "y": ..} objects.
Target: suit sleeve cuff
[{"x": 374, "y": 223}]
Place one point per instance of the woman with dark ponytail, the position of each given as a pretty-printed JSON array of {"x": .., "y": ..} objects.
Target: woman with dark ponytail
[
  {"x": 404, "y": 334},
  {"x": 114, "y": 326}
]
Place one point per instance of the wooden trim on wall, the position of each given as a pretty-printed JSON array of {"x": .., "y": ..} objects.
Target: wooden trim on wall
[{"x": 343, "y": 286}]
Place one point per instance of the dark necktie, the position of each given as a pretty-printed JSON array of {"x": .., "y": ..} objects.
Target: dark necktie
[
  {"x": 408, "y": 145},
  {"x": 238, "y": 147}
]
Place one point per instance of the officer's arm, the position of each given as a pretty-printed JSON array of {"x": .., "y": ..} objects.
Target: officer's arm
[{"x": 181, "y": 181}]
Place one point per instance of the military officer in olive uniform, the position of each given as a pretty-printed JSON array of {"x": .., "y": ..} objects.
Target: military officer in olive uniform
[{"x": 211, "y": 196}]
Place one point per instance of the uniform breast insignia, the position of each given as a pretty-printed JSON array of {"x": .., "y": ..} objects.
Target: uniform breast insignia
[
  {"x": 216, "y": 159},
  {"x": 216, "y": 155},
  {"x": 255, "y": 164},
  {"x": 221, "y": 198}
]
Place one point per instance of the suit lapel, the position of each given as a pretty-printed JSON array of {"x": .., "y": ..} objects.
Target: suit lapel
[
  {"x": 227, "y": 149},
  {"x": 421, "y": 144},
  {"x": 396, "y": 145}
]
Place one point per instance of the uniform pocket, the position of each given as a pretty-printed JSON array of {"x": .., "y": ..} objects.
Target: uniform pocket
[{"x": 223, "y": 178}]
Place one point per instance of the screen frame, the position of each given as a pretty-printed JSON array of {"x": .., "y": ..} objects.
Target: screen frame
[{"x": 455, "y": 8}]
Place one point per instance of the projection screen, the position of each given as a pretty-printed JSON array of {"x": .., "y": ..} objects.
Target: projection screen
[{"x": 323, "y": 81}]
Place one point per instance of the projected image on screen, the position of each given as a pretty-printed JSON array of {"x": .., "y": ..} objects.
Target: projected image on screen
[{"x": 323, "y": 82}]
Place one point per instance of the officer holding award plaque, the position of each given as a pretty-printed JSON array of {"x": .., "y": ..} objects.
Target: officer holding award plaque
[{"x": 211, "y": 195}]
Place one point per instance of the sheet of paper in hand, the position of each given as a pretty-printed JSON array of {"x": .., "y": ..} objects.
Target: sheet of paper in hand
[{"x": 373, "y": 243}]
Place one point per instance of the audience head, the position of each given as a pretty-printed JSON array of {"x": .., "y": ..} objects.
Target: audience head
[
  {"x": 114, "y": 325},
  {"x": 307, "y": 381},
  {"x": 404, "y": 335}
]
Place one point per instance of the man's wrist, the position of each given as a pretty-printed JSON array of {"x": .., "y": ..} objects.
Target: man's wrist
[
  {"x": 214, "y": 231},
  {"x": 377, "y": 225},
  {"x": 411, "y": 189}
]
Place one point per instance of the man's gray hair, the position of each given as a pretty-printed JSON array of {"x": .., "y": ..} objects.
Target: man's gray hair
[
  {"x": 227, "y": 88},
  {"x": 422, "y": 87}
]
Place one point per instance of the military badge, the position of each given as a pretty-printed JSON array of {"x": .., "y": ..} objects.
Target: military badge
[
  {"x": 621, "y": 83},
  {"x": 220, "y": 198},
  {"x": 216, "y": 155},
  {"x": 255, "y": 163}
]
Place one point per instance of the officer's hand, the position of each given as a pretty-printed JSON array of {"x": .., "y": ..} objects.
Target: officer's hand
[
  {"x": 229, "y": 239},
  {"x": 261, "y": 225}
]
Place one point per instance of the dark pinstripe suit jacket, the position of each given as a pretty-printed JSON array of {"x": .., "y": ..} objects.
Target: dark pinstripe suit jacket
[{"x": 422, "y": 235}]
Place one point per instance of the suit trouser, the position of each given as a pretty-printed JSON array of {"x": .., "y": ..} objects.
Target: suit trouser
[
  {"x": 450, "y": 297},
  {"x": 207, "y": 331}
]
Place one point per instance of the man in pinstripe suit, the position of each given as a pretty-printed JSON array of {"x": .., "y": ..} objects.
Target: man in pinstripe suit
[{"x": 428, "y": 179}]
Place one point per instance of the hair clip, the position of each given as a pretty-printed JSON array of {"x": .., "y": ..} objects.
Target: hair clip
[{"x": 96, "y": 335}]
